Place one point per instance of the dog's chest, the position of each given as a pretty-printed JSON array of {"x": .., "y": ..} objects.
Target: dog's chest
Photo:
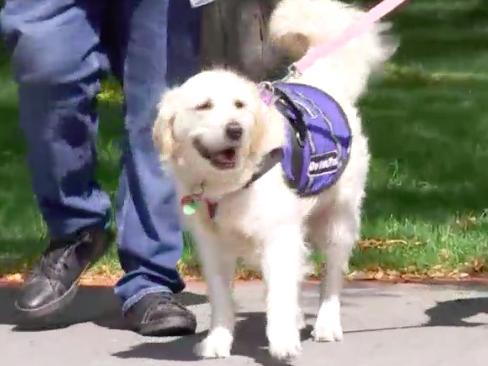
[
  {"x": 235, "y": 219},
  {"x": 260, "y": 208},
  {"x": 237, "y": 233}
]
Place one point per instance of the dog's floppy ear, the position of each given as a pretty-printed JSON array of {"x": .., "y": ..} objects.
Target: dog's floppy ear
[
  {"x": 268, "y": 131},
  {"x": 163, "y": 135}
]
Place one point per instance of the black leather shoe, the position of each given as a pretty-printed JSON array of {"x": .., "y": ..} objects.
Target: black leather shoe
[
  {"x": 54, "y": 280},
  {"x": 160, "y": 315}
]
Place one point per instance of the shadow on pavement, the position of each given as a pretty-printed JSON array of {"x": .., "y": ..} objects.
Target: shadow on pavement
[
  {"x": 451, "y": 313},
  {"x": 250, "y": 342},
  {"x": 92, "y": 304},
  {"x": 99, "y": 305},
  {"x": 251, "y": 333}
]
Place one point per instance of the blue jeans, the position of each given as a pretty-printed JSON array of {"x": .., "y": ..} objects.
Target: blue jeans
[{"x": 60, "y": 51}]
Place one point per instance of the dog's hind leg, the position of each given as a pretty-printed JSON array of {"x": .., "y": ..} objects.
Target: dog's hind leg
[
  {"x": 336, "y": 235},
  {"x": 218, "y": 268}
]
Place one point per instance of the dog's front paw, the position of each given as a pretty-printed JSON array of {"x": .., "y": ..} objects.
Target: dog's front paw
[
  {"x": 329, "y": 332},
  {"x": 217, "y": 344},
  {"x": 328, "y": 326},
  {"x": 284, "y": 343}
]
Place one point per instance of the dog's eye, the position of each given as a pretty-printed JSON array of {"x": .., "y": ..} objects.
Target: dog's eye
[
  {"x": 239, "y": 104},
  {"x": 205, "y": 106}
]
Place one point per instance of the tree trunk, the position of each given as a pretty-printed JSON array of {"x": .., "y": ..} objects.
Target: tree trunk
[{"x": 234, "y": 34}]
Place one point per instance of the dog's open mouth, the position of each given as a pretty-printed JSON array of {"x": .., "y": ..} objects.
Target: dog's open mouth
[{"x": 221, "y": 159}]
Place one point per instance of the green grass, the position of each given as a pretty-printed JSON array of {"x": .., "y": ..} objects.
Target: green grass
[{"x": 428, "y": 129}]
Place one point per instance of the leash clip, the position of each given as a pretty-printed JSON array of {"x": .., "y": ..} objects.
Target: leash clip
[{"x": 293, "y": 72}]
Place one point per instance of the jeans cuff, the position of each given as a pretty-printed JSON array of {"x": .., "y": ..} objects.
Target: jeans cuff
[{"x": 131, "y": 301}]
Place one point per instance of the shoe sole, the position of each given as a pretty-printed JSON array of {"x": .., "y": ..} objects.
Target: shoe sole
[{"x": 167, "y": 328}]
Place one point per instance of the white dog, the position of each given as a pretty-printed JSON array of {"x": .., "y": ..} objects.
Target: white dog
[{"x": 218, "y": 137}]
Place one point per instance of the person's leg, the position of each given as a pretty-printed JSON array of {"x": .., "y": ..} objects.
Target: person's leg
[
  {"x": 57, "y": 66},
  {"x": 149, "y": 235}
]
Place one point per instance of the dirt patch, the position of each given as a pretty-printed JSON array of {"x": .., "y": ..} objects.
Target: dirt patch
[{"x": 104, "y": 280}]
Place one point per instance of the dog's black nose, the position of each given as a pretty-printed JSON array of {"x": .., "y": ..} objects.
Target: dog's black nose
[{"x": 234, "y": 131}]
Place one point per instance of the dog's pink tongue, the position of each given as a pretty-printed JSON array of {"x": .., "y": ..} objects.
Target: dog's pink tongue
[{"x": 226, "y": 156}]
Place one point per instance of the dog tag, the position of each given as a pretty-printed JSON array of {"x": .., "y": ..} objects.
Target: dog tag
[
  {"x": 190, "y": 209},
  {"x": 189, "y": 206},
  {"x": 197, "y": 3}
]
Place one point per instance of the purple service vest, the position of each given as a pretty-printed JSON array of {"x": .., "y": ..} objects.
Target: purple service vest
[{"x": 319, "y": 137}]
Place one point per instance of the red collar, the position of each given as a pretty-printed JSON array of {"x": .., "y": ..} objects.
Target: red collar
[{"x": 212, "y": 208}]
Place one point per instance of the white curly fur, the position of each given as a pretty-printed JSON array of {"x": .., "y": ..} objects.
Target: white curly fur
[{"x": 267, "y": 224}]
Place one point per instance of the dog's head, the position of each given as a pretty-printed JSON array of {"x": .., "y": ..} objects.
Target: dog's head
[{"x": 216, "y": 128}]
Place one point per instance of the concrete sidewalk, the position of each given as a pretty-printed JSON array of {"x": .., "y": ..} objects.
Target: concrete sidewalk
[{"x": 392, "y": 325}]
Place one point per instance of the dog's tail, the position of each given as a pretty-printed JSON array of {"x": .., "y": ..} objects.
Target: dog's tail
[{"x": 297, "y": 25}]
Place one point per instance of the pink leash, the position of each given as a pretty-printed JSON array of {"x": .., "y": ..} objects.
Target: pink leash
[{"x": 379, "y": 11}]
